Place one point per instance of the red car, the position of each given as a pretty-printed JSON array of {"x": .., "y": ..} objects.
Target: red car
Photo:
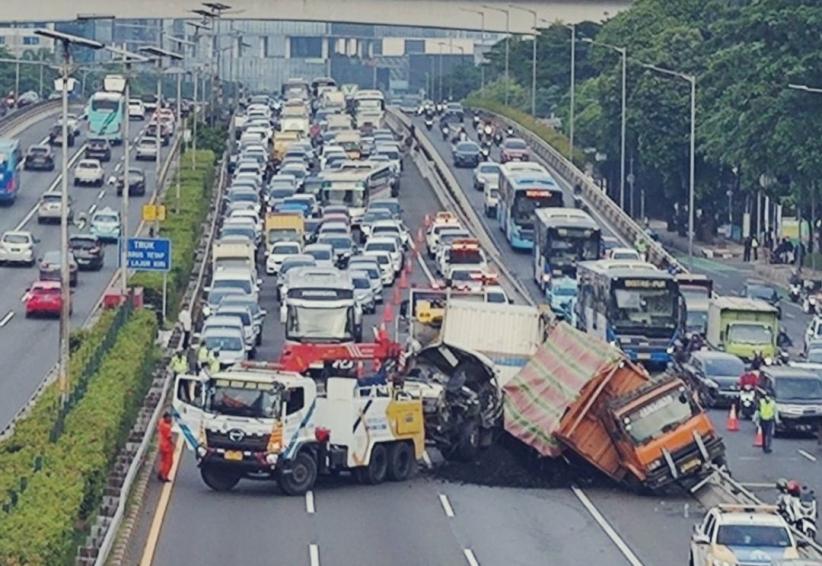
[
  {"x": 514, "y": 149},
  {"x": 44, "y": 298}
]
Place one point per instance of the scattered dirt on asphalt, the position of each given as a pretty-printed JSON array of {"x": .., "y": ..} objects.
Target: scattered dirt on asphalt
[{"x": 508, "y": 463}]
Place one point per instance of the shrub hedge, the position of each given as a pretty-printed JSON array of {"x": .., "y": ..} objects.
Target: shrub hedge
[
  {"x": 46, "y": 525},
  {"x": 548, "y": 134},
  {"x": 183, "y": 226}
]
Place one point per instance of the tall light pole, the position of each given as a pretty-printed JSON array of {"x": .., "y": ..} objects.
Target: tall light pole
[
  {"x": 128, "y": 58},
  {"x": 507, "y": 43},
  {"x": 692, "y": 81},
  {"x": 624, "y": 55},
  {"x": 439, "y": 94},
  {"x": 482, "y": 40},
  {"x": 533, "y": 57},
  {"x": 451, "y": 82},
  {"x": 66, "y": 83},
  {"x": 573, "y": 29}
]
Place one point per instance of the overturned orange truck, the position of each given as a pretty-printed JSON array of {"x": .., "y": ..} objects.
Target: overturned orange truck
[{"x": 580, "y": 394}]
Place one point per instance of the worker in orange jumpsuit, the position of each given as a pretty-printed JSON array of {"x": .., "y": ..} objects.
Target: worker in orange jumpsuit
[{"x": 166, "y": 446}]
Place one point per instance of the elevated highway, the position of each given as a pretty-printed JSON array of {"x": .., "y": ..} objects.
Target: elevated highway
[{"x": 416, "y": 13}]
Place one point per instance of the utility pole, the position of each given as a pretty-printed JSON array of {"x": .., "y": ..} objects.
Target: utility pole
[
  {"x": 482, "y": 40},
  {"x": 533, "y": 57}
]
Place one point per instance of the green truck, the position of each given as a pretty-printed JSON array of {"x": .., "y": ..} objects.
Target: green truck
[{"x": 743, "y": 327}]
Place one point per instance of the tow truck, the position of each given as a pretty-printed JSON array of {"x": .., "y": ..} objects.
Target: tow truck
[{"x": 263, "y": 423}]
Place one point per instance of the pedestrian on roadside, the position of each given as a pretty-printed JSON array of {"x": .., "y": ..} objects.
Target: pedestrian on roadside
[
  {"x": 166, "y": 447},
  {"x": 755, "y": 248},
  {"x": 185, "y": 325},
  {"x": 746, "y": 249},
  {"x": 766, "y": 418}
]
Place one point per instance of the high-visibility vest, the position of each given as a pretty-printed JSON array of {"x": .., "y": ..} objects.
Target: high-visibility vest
[
  {"x": 202, "y": 354},
  {"x": 178, "y": 364},
  {"x": 767, "y": 409},
  {"x": 213, "y": 364}
]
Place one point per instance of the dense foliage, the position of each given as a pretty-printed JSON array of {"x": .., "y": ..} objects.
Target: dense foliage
[{"x": 750, "y": 126}]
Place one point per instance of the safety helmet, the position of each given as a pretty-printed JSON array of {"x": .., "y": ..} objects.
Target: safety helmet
[
  {"x": 782, "y": 484},
  {"x": 793, "y": 487}
]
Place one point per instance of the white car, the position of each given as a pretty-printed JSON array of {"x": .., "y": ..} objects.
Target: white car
[
  {"x": 490, "y": 197},
  {"x": 89, "y": 172},
  {"x": 388, "y": 244},
  {"x": 147, "y": 149},
  {"x": 813, "y": 334},
  {"x": 17, "y": 247},
  {"x": 469, "y": 278},
  {"x": 390, "y": 228},
  {"x": 105, "y": 224},
  {"x": 623, "y": 253},
  {"x": 462, "y": 253},
  {"x": 73, "y": 124},
  {"x": 136, "y": 109},
  {"x": 485, "y": 172},
  {"x": 323, "y": 254},
  {"x": 386, "y": 264},
  {"x": 432, "y": 236},
  {"x": 280, "y": 251}
]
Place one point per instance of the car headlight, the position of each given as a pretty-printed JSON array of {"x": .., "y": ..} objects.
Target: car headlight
[
  {"x": 654, "y": 465},
  {"x": 546, "y": 277}
]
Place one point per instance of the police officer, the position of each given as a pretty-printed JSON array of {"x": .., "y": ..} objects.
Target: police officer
[
  {"x": 641, "y": 246},
  {"x": 202, "y": 356},
  {"x": 766, "y": 416},
  {"x": 214, "y": 361},
  {"x": 178, "y": 365}
]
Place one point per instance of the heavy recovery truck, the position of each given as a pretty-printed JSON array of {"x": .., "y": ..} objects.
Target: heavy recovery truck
[{"x": 262, "y": 423}]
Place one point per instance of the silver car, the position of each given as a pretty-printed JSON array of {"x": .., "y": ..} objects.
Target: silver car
[
  {"x": 50, "y": 208},
  {"x": 370, "y": 267},
  {"x": 363, "y": 291},
  {"x": 147, "y": 149},
  {"x": 483, "y": 172},
  {"x": 50, "y": 267},
  {"x": 17, "y": 247}
]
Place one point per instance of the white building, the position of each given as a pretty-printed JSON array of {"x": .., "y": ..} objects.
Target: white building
[{"x": 17, "y": 40}]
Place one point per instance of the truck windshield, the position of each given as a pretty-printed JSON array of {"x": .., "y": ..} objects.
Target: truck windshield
[
  {"x": 241, "y": 399},
  {"x": 697, "y": 321},
  {"x": 753, "y": 536},
  {"x": 798, "y": 389},
  {"x": 658, "y": 417},
  {"x": 324, "y": 324},
  {"x": 644, "y": 308},
  {"x": 750, "y": 334}
]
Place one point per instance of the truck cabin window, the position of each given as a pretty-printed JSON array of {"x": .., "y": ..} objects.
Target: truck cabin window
[{"x": 659, "y": 416}]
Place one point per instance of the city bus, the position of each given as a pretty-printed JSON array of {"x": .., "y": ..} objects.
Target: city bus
[
  {"x": 697, "y": 291},
  {"x": 319, "y": 306},
  {"x": 522, "y": 190},
  {"x": 563, "y": 237},
  {"x": 105, "y": 116},
  {"x": 346, "y": 188},
  {"x": 638, "y": 309},
  {"x": 10, "y": 158}
]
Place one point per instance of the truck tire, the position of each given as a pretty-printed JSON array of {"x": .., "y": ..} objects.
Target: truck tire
[
  {"x": 219, "y": 479},
  {"x": 468, "y": 444},
  {"x": 377, "y": 468},
  {"x": 301, "y": 477},
  {"x": 400, "y": 461}
]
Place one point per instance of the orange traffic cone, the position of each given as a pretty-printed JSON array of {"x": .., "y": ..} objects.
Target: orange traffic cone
[
  {"x": 758, "y": 441},
  {"x": 733, "y": 421}
]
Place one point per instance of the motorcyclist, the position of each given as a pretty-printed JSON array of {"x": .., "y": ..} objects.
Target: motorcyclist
[{"x": 749, "y": 379}]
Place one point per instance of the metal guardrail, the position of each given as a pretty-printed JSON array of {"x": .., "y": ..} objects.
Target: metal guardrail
[
  {"x": 15, "y": 119},
  {"x": 435, "y": 170},
  {"x": 193, "y": 292},
  {"x": 598, "y": 200}
]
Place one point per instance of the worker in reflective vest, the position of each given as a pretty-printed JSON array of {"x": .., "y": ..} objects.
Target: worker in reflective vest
[
  {"x": 178, "y": 365},
  {"x": 166, "y": 448},
  {"x": 202, "y": 356},
  {"x": 767, "y": 420}
]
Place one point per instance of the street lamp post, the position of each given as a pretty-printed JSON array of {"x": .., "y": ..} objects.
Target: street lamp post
[
  {"x": 573, "y": 29},
  {"x": 507, "y": 42},
  {"x": 66, "y": 83},
  {"x": 692, "y": 81},
  {"x": 482, "y": 40},
  {"x": 451, "y": 82},
  {"x": 624, "y": 56},
  {"x": 439, "y": 93},
  {"x": 533, "y": 57}
]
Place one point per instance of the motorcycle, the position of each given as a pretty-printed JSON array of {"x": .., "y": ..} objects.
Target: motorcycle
[
  {"x": 444, "y": 129},
  {"x": 509, "y": 132},
  {"x": 797, "y": 505},
  {"x": 794, "y": 292},
  {"x": 476, "y": 122},
  {"x": 485, "y": 154},
  {"x": 429, "y": 123},
  {"x": 747, "y": 402},
  {"x": 498, "y": 138}
]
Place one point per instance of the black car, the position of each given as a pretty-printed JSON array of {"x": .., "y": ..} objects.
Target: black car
[
  {"x": 715, "y": 377},
  {"x": 98, "y": 149},
  {"x": 798, "y": 396},
  {"x": 39, "y": 157},
  {"x": 88, "y": 251},
  {"x": 56, "y": 135},
  {"x": 466, "y": 154},
  {"x": 759, "y": 290},
  {"x": 136, "y": 182}
]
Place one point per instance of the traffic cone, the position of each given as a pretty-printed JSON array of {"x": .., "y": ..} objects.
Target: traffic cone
[
  {"x": 733, "y": 421},
  {"x": 403, "y": 280},
  {"x": 395, "y": 298},
  {"x": 420, "y": 236},
  {"x": 758, "y": 441},
  {"x": 388, "y": 313}
]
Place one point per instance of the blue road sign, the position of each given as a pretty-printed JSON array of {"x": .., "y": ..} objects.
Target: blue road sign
[{"x": 149, "y": 254}]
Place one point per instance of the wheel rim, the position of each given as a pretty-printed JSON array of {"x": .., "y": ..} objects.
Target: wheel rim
[{"x": 299, "y": 473}]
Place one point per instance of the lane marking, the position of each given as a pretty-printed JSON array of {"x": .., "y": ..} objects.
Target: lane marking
[
  {"x": 23, "y": 298},
  {"x": 446, "y": 506},
  {"x": 469, "y": 556},
  {"x": 6, "y": 319},
  {"x": 758, "y": 485},
  {"x": 162, "y": 507},
  {"x": 92, "y": 208},
  {"x": 609, "y": 530},
  {"x": 101, "y": 194},
  {"x": 790, "y": 316},
  {"x": 309, "y": 502},
  {"x": 313, "y": 555},
  {"x": 804, "y": 453}
]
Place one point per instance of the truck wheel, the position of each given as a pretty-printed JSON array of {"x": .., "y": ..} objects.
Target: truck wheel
[
  {"x": 400, "y": 461},
  {"x": 468, "y": 444},
  {"x": 377, "y": 467},
  {"x": 219, "y": 479},
  {"x": 302, "y": 473}
]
